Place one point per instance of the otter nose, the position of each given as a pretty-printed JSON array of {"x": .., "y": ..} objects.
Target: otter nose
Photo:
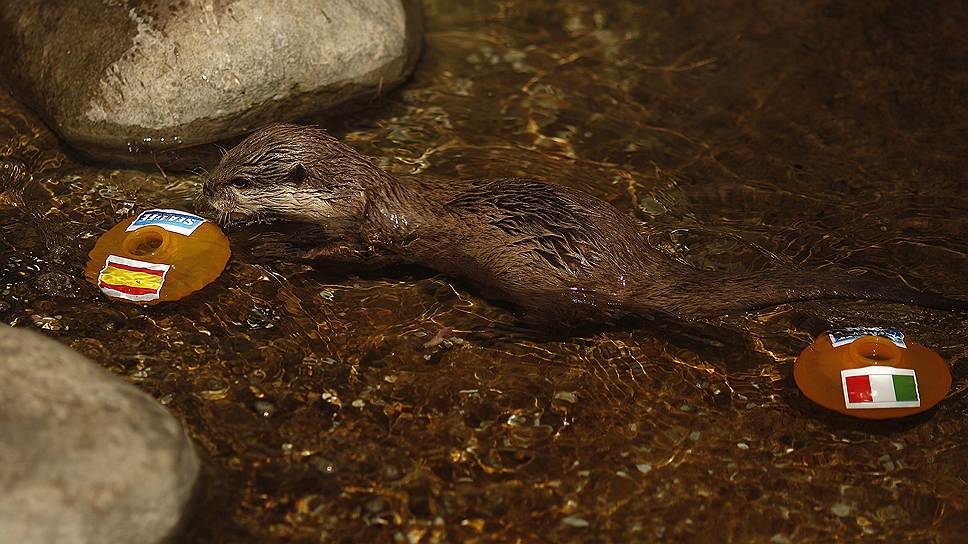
[{"x": 207, "y": 190}]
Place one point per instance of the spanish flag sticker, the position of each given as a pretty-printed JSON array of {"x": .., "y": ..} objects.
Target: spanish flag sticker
[{"x": 132, "y": 280}]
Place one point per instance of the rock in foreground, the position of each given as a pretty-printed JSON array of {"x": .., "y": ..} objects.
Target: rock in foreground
[
  {"x": 126, "y": 80},
  {"x": 84, "y": 457}
]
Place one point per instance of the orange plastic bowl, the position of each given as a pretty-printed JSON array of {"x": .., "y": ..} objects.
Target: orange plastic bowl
[
  {"x": 159, "y": 255},
  {"x": 871, "y": 376}
]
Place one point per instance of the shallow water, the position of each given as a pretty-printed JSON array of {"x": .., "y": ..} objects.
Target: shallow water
[{"x": 820, "y": 136}]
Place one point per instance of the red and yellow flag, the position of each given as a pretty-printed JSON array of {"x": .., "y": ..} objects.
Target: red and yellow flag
[{"x": 132, "y": 280}]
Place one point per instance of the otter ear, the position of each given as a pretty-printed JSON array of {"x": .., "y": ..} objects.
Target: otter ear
[{"x": 298, "y": 174}]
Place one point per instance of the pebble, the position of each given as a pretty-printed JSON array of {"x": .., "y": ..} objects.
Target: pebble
[
  {"x": 840, "y": 510},
  {"x": 575, "y": 521}
]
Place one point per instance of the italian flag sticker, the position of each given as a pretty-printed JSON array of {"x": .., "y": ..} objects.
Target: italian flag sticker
[{"x": 880, "y": 387}]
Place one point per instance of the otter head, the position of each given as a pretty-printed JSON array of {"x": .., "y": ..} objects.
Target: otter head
[{"x": 291, "y": 171}]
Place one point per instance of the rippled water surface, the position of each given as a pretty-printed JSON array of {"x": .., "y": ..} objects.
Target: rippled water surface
[{"x": 819, "y": 135}]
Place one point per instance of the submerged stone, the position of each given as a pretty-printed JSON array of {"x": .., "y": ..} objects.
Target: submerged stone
[
  {"x": 86, "y": 457},
  {"x": 128, "y": 80}
]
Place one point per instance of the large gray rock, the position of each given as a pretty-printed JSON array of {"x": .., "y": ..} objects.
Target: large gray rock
[
  {"x": 121, "y": 79},
  {"x": 84, "y": 457}
]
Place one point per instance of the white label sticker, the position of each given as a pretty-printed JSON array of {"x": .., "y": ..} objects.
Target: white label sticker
[
  {"x": 842, "y": 337},
  {"x": 171, "y": 220}
]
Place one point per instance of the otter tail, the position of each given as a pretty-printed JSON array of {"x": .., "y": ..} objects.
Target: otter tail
[{"x": 706, "y": 295}]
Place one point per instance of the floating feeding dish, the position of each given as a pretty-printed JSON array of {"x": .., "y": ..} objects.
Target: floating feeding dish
[
  {"x": 871, "y": 373},
  {"x": 159, "y": 255}
]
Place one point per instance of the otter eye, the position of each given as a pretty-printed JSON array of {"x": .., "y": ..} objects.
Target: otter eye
[
  {"x": 298, "y": 174},
  {"x": 239, "y": 183}
]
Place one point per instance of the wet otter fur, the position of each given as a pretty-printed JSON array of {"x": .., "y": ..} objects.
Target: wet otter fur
[{"x": 563, "y": 257}]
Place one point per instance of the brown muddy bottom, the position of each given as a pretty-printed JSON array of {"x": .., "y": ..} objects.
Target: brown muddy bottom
[{"x": 821, "y": 135}]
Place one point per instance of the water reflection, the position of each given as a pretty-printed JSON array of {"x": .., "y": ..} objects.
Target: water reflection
[{"x": 742, "y": 139}]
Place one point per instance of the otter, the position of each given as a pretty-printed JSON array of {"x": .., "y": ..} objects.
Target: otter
[{"x": 561, "y": 256}]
